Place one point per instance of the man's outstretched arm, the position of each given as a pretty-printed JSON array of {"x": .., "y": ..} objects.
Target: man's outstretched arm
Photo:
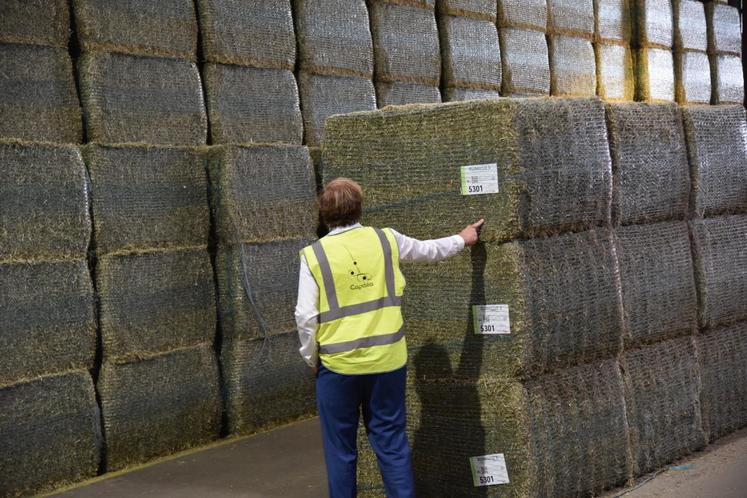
[{"x": 430, "y": 251}]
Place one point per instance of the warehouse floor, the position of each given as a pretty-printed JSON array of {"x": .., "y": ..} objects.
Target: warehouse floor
[{"x": 287, "y": 463}]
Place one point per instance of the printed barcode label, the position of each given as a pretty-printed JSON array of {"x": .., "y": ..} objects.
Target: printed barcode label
[
  {"x": 488, "y": 470},
  {"x": 480, "y": 179},
  {"x": 491, "y": 319}
]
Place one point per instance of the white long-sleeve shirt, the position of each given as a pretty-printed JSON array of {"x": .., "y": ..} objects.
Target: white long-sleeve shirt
[{"x": 307, "y": 306}]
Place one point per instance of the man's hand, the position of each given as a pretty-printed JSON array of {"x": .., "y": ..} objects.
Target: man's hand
[{"x": 471, "y": 233}]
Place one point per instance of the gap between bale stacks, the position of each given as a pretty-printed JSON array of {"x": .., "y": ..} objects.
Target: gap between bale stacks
[{"x": 35, "y": 23}]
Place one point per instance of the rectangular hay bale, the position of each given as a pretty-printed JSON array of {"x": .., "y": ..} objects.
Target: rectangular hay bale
[
  {"x": 727, "y": 79},
  {"x": 654, "y": 69},
  {"x": 690, "y": 31},
  {"x": 484, "y": 10},
  {"x": 654, "y": 23},
  {"x": 471, "y": 54},
  {"x": 573, "y": 69},
  {"x": 615, "y": 75},
  {"x": 571, "y": 18},
  {"x": 458, "y": 94},
  {"x": 527, "y": 14},
  {"x": 692, "y": 73},
  {"x": 39, "y": 22},
  {"x": 724, "y": 29},
  {"x": 613, "y": 21},
  {"x": 397, "y": 93},
  {"x": 526, "y": 63}
]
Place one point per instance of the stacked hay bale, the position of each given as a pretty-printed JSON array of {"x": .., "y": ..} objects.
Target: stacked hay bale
[
  {"x": 49, "y": 420},
  {"x": 159, "y": 382},
  {"x": 406, "y": 51},
  {"x": 691, "y": 66},
  {"x": 263, "y": 203},
  {"x": 573, "y": 69},
  {"x": 524, "y": 54},
  {"x": 38, "y": 99},
  {"x": 725, "y": 53},
  {"x": 249, "y": 50},
  {"x": 613, "y": 37},
  {"x": 654, "y": 38},
  {"x": 470, "y": 52}
]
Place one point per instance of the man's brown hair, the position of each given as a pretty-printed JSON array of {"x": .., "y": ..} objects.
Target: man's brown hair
[{"x": 341, "y": 203}]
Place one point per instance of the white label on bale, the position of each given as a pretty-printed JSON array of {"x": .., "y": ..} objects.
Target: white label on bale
[
  {"x": 488, "y": 470},
  {"x": 480, "y": 179},
  {"x": 491, "y": 319}
]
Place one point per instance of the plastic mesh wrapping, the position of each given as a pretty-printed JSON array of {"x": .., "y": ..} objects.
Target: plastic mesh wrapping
[
  {"x": 658, "y": 288},
  {"x": 331, "y": 43},
  {"x": 573, "y": 67},
  {"x": 397, "y": 93},
  {"x": 526, "y": 66},
  {"x": 717, "y": 145},
  {"x": 655, "y": 75},
  {"x": 155, "y": 302},
  {"x": 530, "y": 14},
  {"x": 252, "y": 105},
  {"x": 724, "y": 29},
  {"x": 471, "y": 53},
  {"x": 615, "y": 76},
  {"x": 690, "y": 25},
  {"x": 38, "y": 100},
  {"x": 43, "y": 202},
  {"x": 456, "y": 94},
  {"x": 147, "y": 197},
  {"x": 50, "y": 433},
  {"x": 571, "y": 17},
  {"x": 613, "y": 20},
  {"x": 48, "y": 319},
  {"x": 164, "y": 28},
  {"x": 662, "y": 389},
  {"x": 35, "y": 23},
  {"x": 723, "y": 370},
  {"x": 266, "y": 383},
  {"x": 409, "y": 159},
  {"x": 476, "y": 9},
  {"x": 257, "y": 34},
  {"x": 159, "y": 406},
  {"x": 654, "y": 23},
  {"x": 720, "y": 269},
  {"x": 692, "y": 77},
  {"x": 728, "y": 79},
  {"x": 649, "y": 156},
  {"x": 142, "y": 99}
]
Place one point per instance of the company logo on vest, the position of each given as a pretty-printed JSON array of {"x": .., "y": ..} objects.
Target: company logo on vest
[{"x": 362, "y": 279}]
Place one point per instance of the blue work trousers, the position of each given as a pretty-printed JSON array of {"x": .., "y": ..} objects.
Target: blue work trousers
[{"x": 381, "y": 397}]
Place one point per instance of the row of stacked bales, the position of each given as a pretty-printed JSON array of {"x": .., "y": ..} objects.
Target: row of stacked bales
[
  {"x": 725, "y": 53},
  {"x": 572, "y": 60},
  {"x": 691, "y": 65},
  {"x": 612, "y": 47},
  {"x": 654, "y": 39}
]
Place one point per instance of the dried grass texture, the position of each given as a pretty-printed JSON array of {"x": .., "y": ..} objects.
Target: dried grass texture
[
  {"x": 690, "y": 31},
  {"x": 692, "y": 72},
  {"x": 654, "y": 24},
  {"x": 654, "y": 75},
  {"x": 613, "y": 21},
  {"x": 573, "y": 67},
  {"x": 527, "y": 14},
  {"x": 36, "y": 22},
  {"x": 471, "y": 54},
  {"x": 526, "y": 63},
  {"x": 571, "y": 18},
  {"x": 615, "y": 74},
  {"x": 459, "y": 94},
  {"x": 727, "y": 79},
  {"x": 484, "y": 10},
  {"x": 724, "y": 29},
  {"x": 396, "y": 93}
]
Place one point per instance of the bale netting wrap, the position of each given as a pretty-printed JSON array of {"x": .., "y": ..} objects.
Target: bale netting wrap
[
  {"x": 166, "y": 28},
  {"x": 406, "y": 46},
  {"x": 612, "y": 21},
  {"x": 724, "y": 29},
  {"x": 720, "y": 269},
  {"x": 649, "y": 157},
  {"x": 692, "y": 77},
  {"x": 458, "y": 94},
  {"x": 262, "y": 193},
  {"x": 658, "y": 289},
  {"x": 717, "y": 146},
  {"x": 50, "y": 433},
  {"x": 147, "y": 197},
  {"x": 654, "y": 23},
  {"x": 142, "y": 99},
  {"x": 397, "y": 93},
  {"x": 266, "y": 383},
  {"x": 727, "y": 79},
  {"x": 662, "y": 396},
  {"x": 552, "y": 156},
  {"x": 256, "y": 34},
  {"x": 615, "y": 75},
  {"x": 528, "y": 14},
  {"x": 484, "y": 10},
  {"x": 159, "y": 405},
  {"x": 690, "y": 25},
  {"x": 257, "y": 287},
  {"x": 152, "y": 303},
  {"x": 35, "y": 23},
  {"x": 654, "y": 75},
  {"x": 48, "y": 319},
  {"x": 573, "y": 68},
  {"x": 723, "y": 371},
  {"x": 43, "y": 202},
  {"x": 526, "y": 64},
  {"x": 38, "y": 100},
  {"x": 247, "y": 104},
  {"x": 471, "y": 54},
  {"x": 571, "y": 18},
  {"x": 332, "y": 44},
  {"x": 323, "y": 96}
]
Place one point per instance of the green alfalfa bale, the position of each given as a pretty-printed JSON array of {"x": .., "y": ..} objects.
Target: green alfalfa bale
[
  {"x": 727, "y": 79},
  {"x": 654, "y": 70},
  {"x": 261, "y": 193},
  {"x": 723, "y": 374},
  {"x": 654, "y": 24},
  {"x": 527, "y": 14},
  {"x": 255, "y": 34},
  {"x": 720, "y": 269},
  {"x": 398, "y": 93},
  {"x": 43, "y": 202},
  {"x": 257, "y": 287},
  {"x": 612, "y": 21},
  {"x": 718, "y": 158},
  {"x": 615, "y": 75},
  {"x": 50, "y": 433},
  {"x": 35, "y": 22},
  {"x": 692, "y": 75},
  {"x": 552, "y": 156},
  {"x": 526, "y": 64},
  {"x": 649, "y": 157},
  {"x": 159, "y": 405},
  {"x": 458, "y": 94},
  {"x": 573, "y": 69},
  {"x": 167, "y": 28},
  {"x": 38, "y": 100},
  {"x": 690, "y": 31},
  {"x": 471, "y": 53},
  {"x": 247, "y": 104},
  {"x": 266, "y": 383},
  {"x": 724, "y": 29},
  {"x": 571, "y": 18},
  {"x": 662, "y": 397},
  {"x": 151, "y": 303},
  {"x": 152, "y": 100},
  {"x": 147, "y": 197},
  {"x": 483, "y": 10},
  {"x": 48, "y": 319}
]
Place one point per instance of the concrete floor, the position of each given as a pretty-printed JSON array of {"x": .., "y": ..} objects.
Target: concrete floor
[{"x": 288, "y": 463}]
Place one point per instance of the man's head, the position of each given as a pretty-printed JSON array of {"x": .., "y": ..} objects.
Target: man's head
[{"x": 341, "y": 203}]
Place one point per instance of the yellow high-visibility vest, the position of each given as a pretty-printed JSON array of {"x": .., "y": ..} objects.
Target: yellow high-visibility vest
[{"x": 361, "y": 330}]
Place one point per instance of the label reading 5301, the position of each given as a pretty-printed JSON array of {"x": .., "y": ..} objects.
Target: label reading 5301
[
  {"x": 488, "y": 470},
  {"x": 480, "y": 179},
  {"x": 491, "y": 319}
]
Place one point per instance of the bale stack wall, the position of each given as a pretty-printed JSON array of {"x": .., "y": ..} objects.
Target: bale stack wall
[
  {"x": 573, "y": 70},
  {"x": 725, "y": 53},
  {"x": 612, "y": 48},
  {"x": 653, "y": 29},
  {"x": 691, "y": 65}
]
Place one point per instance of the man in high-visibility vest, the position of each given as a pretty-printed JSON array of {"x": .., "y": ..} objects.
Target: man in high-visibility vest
[{"x": 353, "y": 336}]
